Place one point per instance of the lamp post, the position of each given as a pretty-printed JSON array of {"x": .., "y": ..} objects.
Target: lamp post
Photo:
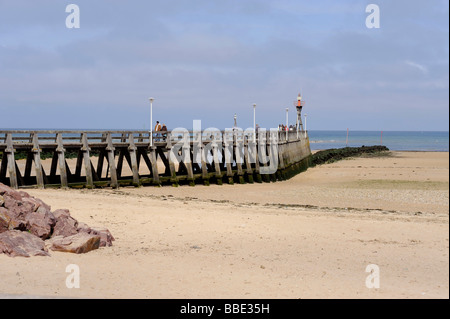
[
  {"x": 254, "y": 122},
  {"x": 287, "y": 123},
  {"x": 151, "y": 120},
  {"x": 305, "y": 123}
]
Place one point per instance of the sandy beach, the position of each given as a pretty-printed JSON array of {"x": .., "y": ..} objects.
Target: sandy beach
[{"x": 309, "y": 237}]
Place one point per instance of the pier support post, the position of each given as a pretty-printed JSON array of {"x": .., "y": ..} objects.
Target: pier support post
[
  {"x": 11, "y": 161},
  {"x": 228, "y": 155},
  {"x": 263, "y": 154},
  {"x": 133, "y": 159},
  {"x": 170, "y": 157},
  {"x": 238, "y": 150},
  {"x": 37, "y": 161},
  {"x": 218, "y": 173},
  {"x": 188, "y": 163},
  {"x": 111, "y": 162},
  {"x": 255, "y": 154},
  {"x": 205, "y": 175},
  {"x": 87, "y": 161},
  {"x": 61, "y": 161},
  {"x": 248, "y": 161},
  {"x": 155, "y": 173}
]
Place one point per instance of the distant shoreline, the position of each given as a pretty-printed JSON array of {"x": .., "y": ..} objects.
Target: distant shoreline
[{"x": 412, "y": 151}]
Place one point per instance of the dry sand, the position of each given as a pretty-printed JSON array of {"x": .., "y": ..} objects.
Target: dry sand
[{"x": 309, "y": 237}]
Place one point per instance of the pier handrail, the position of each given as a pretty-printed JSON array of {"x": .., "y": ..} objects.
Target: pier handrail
[{"x": 24, "y": 137}]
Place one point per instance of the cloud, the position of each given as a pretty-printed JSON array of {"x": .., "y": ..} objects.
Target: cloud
[
  {"x": 209, "y": 60},
  {"x": 417, "y": 66}
]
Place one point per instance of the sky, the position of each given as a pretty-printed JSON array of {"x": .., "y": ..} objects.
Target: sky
[{"x": 208, "y": 60}]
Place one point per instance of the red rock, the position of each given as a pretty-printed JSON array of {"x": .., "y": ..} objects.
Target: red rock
[
  {"x": 4, "y": 219},
  {"x": 106, "y": 238},
  {"x": 40, "y": 223},
  {"x": 10, "y": 192},
  {"x": 83, "y": 227},
  {"x": 65, "y": 224},
  {"x": 11, "y": 219},
  {"x": 78, "y": 244},
  {"x": 20, "y": 211},
  {"x": 18, "y": 243}
]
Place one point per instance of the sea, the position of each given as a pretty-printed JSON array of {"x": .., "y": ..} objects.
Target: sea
[{"x": 427, "y": 141}]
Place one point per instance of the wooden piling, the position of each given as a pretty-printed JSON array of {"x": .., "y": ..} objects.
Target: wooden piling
[
  {"x": 11, "y": 162},
  {"x": 60, "y": 150},
  {"x": 133, "y": 159},
  {"x": 111, "y": 161},
  {"x": 37, "y": 161}
]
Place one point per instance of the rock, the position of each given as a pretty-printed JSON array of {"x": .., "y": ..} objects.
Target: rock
[
  {"x": 106, "y": 237},
  {"x": 9, "y": 192},
  {"x": 83, "y": 227},
  {"x": 18, "y": 243},
  {"x": 78, "y": 244},
  {"x": 40, "y": 223},
  {"x": 4, "y": 219},
  {"x": 11, "y": 220},
  {"x": 65, "y": 224},
  {"x": 21, "y": 212},
  {"x": 16, "y": 209}
]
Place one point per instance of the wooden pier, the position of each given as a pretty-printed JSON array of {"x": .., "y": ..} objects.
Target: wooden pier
[{"x": 134, "y": 158}]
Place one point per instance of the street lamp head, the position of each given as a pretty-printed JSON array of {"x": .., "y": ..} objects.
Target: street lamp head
[
  {"x": 254, "y": 104},
  {"x": 151, "y": 99}
]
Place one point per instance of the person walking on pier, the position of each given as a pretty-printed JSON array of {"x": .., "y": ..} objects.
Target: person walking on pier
[
  {"x": 164, "y": 130},
  {"x": 157, "y": 129},
  {"x": 157, "y": 126}
]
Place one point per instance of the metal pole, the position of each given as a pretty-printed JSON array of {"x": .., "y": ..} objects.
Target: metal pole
[
  {"x": 287, "y": 123},
  {"x": 254, "y": 122},
  {"x": 305, "y": 124},
  {"x": 151, "y": 120}
]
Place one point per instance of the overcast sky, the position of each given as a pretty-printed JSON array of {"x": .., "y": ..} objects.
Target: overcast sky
[{"x": 208, "y": 59}]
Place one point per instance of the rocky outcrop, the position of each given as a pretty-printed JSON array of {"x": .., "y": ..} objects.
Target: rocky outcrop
[
  {"x": 19, "y": 243},
  {"x": 65, "y": 224},
  {"x": 40, "y": 223},
  {"x": 28, "y": 227}
]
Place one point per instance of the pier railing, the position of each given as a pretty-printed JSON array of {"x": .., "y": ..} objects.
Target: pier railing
[{"x": 163, "y": 157}]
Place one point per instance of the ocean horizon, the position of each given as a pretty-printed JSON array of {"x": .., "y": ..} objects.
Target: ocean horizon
[{"x": 428, "y": 141}]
